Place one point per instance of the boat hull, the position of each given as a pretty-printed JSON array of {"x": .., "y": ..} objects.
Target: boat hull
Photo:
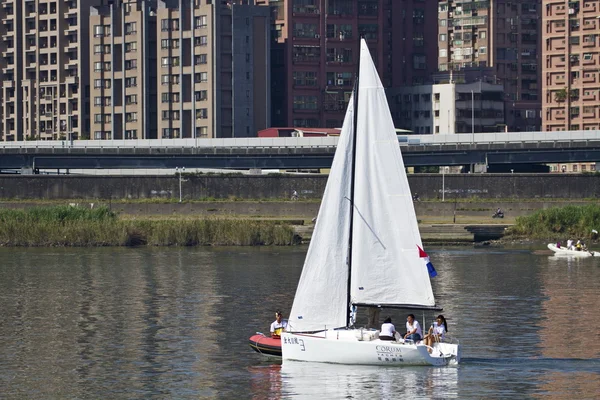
[
  {"x": 265, "y": 345},
  {"x": 353, "y": 348},
  {"x": 561, "y": 251}
]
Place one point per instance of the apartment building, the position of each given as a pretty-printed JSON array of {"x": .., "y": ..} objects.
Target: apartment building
[
  {"x": 179, "y": 69},
  {"x": 44, "y": 68},
  {"x": 571, "y": 66},
  {"x": 499, "y": 34},
  {"x": 10, "y": 71},
  {"x": 316, "y": 48},
  {"x": 450, "y": 108},
  {"x": 121, "y": 55}
]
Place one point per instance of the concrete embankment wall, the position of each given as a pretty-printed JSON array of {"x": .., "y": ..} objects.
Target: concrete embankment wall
[{"x": 277, "y": 186}]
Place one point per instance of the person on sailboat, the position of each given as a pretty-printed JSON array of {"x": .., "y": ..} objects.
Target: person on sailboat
[
  {"x": 436, "y": 331},
  {"x": 413, "y": 329},
  {"x": 279, "y": 325},
  {"x": 388, "y": 330}
]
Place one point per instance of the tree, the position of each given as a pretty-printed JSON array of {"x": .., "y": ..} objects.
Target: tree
[{"x": 560, "y": 95}]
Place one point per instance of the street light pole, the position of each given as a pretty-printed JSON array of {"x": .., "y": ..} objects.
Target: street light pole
[
  {"x": 473, "y": 116},
  {"x": 180, "y": 171},
  {"x": 443, "y": 183}
]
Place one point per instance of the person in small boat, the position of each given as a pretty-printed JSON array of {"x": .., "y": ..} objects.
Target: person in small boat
[
  {"x": 413, "y": 329},
  {"x": 436, "y": 331},
  {"x": 570, "y": 244},
  {"x": 279, "y": 325},
  {"x": 388, "y": 330},
  {"x": 558, "y": 245},
  {"x": 578, "y": 246}
]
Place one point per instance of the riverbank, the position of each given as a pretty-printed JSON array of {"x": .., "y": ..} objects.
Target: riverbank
[
  {"x": 79, "y": 226},
  {"x": 133, "y": 223}
]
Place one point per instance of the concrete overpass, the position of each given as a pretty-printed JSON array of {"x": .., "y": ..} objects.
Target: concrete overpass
[{"x": 298, "y": 152}]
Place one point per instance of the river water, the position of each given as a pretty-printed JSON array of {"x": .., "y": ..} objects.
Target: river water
[{"x": 174, "y": 323}]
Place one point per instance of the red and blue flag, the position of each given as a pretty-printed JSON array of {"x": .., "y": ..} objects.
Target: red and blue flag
[{"x": 428, "y": 264}]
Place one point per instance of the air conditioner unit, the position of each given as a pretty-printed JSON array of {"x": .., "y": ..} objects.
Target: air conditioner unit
[
  {"x": 571, "y": 11},
  {"x": 340, "y": 82}
]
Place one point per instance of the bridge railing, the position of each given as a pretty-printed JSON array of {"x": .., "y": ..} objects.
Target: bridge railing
[{"x": 307, "y": 142}]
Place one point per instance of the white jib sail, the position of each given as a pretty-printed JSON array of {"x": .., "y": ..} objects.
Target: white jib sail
[
  {"x": 386, "y": 268},
  {"x": 321, "y": 296}
]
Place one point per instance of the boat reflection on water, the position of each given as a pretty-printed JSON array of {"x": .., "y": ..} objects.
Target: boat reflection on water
[
  {"x": 334, "y": 381},
  {"x": 265, "y": 381}
]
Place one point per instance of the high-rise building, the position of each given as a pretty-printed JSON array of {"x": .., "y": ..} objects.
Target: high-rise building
[
  {"x": 44, "y": 68},
  {"x": 316, "y": 48},
  {"x": 499, "y": 34},
  {"x": 180, "y": 69},
  {"x": 10, "y": 71},
  {"x": 570, "y": 65},
  {"x": 122, "y": 56}
]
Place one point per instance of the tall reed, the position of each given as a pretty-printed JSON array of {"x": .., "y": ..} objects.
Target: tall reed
[
  {"x": 75, "y": 226},
  {"x": 559, "y": 223}
]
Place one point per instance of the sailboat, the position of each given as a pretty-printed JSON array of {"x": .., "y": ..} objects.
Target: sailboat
[{"x": 365, "y": 248}]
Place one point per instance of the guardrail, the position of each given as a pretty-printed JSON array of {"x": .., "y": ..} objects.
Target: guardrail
[{"x": 309, "y": 142}]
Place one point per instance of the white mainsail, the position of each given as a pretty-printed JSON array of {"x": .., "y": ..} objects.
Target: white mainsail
[{"x": 386, "y": 268}]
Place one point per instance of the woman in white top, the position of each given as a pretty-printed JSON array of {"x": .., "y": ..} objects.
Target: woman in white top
[
  {"x": 436, "y": 331},
  {"x": 388, "y": 330},
  {"x": 413, "y": 329}
]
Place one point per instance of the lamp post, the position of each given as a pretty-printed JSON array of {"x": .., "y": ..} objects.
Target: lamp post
[
  {"x": 444, "y": 170},
  {"x": 472, "y": 116},
  {"x": 443, "y": 183},
  {"x": 180, "y": 171}
]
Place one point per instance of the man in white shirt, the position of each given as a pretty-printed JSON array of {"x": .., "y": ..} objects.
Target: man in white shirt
[
  {"x": 278, "y": 325},
  {"x": 413, "y": 329}
]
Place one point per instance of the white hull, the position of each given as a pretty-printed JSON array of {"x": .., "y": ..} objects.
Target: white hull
[
  {"x": 347, "y": 347},
  {"x": 563, "y": 251}
]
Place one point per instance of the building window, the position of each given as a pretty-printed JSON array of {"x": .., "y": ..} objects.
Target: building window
[
  {"x": 130, "y": 47},
  {"x": 201, "y": 95},
  {"x": 200, "y": 22},
  {"x": 443, "y": 53},
  {"x": 131, "y": 82},
  {"x": 202, "y": 113},
  {"x": 130, "y": 64},
  {"x": 131, "y": 134},
  {"x": 201, "y": 59},
  {"x": 98, "y": 66},
  {"x": 130, "y": 28},
  {"x": 169, "y": 24},
  {"x": 442, "y": 37},
  {"x": 201, "y": 41},
  {"x": 131, "y": 117},
  {"x": 202, "y": 131},
  {"x": 202, "y": 77},
  {"x": 98, "y": 30},
  {"x": 131, "y": 99}
]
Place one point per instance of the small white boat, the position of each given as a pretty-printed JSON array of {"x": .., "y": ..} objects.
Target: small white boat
[
  {"x": 563, "y": 251},
  {"x": 366, "y": 249}
]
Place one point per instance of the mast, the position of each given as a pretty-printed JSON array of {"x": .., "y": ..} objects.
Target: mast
[{"x": 352, "y": 179}]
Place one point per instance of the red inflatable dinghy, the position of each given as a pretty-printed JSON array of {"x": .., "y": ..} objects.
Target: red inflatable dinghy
[{"x": 266, "y": 345}]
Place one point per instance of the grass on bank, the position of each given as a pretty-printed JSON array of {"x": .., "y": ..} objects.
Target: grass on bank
[
  {"x": 559, "y": 223},
  {"x": 78, "y": 226}
]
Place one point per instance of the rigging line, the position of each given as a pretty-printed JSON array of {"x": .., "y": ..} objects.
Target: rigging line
[
  {"x": 352, "y": 182},
  {"x": 368, "y": 224}
]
